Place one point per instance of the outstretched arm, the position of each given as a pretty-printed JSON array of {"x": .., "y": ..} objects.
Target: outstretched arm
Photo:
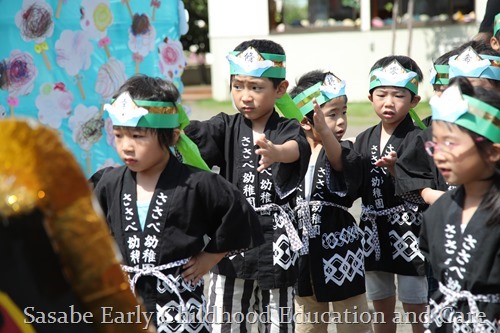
[
  {"x": 287, "y": 152},
  {"x": 430, "y": 195},
  {"x": 330, "y": 143}
]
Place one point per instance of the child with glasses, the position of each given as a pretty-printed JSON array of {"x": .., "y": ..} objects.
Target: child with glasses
[{"x": 461, "y": 231}]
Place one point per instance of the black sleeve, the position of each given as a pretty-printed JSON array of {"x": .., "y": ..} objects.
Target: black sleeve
[
  {"x": 423, "y": 240},
  {"x": 233, "y": 223},
  {"x": 350, "y": 178},
  {"x": 414, "y": 168},
  {"x": 99, "y": 188},
  {"x": 288, "y": 176},
  {"x": 209, "y": 136}
]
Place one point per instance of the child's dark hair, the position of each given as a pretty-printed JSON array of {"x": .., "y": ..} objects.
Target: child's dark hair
[
  {"x": 263, "y": 46},
  {"x": 405, "y": 61},
  {"x": 484, "y": 146},
  {"x": 444, "y": 58},
  {"x": 479, "y": 46},
  {"x": 306, "y": 81},
  {"x": 142, "y": 87}
]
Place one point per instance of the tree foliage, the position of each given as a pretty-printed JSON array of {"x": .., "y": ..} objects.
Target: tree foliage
[{"x": 198, "y": 26}]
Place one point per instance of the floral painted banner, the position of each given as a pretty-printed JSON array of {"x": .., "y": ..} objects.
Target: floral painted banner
[{"x": 61, "y": 60}]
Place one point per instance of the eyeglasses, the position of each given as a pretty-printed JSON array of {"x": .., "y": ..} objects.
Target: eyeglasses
[{"x": 446, "y": 147}]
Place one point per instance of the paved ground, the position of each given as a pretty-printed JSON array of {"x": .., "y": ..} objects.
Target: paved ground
[{"x": 192, "y": 94}]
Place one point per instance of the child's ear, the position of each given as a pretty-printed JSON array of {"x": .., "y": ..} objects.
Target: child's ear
[
  {"x": 282, "y": 87},
  {"x": 306, "y": 124},
  {"x": 177, "y": 134},
  {"x": 494, "y": 156},
  {"x": 370, "y": 97},
  {"x": 495, "y": 43},
  {"x": 416, "y": 99}
]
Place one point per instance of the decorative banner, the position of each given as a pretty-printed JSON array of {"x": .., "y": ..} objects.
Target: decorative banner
[{"x": 61, "y": 60}]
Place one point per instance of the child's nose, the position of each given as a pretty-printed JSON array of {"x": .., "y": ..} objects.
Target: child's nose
[
  {"x": 247, "y": 95},
  {"x": 389, "y": 100},
  {"x": 127, "y": 144}
]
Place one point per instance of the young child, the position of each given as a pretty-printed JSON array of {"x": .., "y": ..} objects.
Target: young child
[
  {"x": 160, "y": 210},
  {"x": 266, "y": 157},
  {"x": 390, "y": 227},
  {"x": 461, "y": 230},
  {"x": 417, "y": 178},
  {"x": 331, "y": 264}
]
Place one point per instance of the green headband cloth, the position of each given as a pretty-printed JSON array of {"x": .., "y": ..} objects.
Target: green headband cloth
[
  {"x": 481, "y": 118},
  {"x": 394, "y": 75},
  {"x": 125, "y": 111},
  {"x": 304, "y": 100},
  {"x": 248, "y": 63},
  {"x": 124, "y": 114},
  {"x": 468, "y": 112},
  {"x": 288, "y": 108},
  {"x": 187, "y": 148},
  {"x": 440, "y": 75},
  {"x": 496, "y": 26},
  {"x": 331, "y": 87}
]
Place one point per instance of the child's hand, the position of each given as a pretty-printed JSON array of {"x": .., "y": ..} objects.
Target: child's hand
[
  {"x": 319, "y": 118},
  {"x": 268, "y": 152},
  {"x": 199, "y": 265},
  {"x": 388, "y": 161}
]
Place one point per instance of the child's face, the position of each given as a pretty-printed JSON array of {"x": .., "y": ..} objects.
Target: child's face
[
  {"x": 335, "y": 112},
  {"x": 254, "y": 97},
  {"x": 392, "y": 104},
  {"x": 139, "y": 149},
  {"x": 456, "y": 155}
]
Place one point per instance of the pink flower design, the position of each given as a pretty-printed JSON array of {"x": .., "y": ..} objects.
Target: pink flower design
[
  {"x": 60, "y": 86},
  {"x": 103, "y": 42},
  {"x": 12, "y": 101},
  {"x": 137, "y": 57},
  {"x": 172, "y": 60}
]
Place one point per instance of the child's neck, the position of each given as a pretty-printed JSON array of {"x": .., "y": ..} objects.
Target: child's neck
[
  {"x": 385, "y": 133},
  {"x": 313, "y": 143},
  {"x": 259, "y": 124},
  {"x": 390, "y": 128},
  {"x": 477, "y": 189},
  {"x": 474, "y": 194},
  {"x": 147, "y": 180}
]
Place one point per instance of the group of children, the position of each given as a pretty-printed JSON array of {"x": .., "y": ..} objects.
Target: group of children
[{"x": 273, "y": 227}]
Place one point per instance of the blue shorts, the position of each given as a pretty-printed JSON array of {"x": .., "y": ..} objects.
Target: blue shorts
[{"x": 411, "y": 289}]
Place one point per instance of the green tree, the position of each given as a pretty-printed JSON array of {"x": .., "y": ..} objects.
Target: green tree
[{"x": 198, "y": 26}]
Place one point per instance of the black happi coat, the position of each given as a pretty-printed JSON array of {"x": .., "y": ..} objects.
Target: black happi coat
[
  {"x": 187, "y": 205},
  {"x": 391, "y": 228},
  {"x": 416, "y": 170},
  {"x": 227, "y": 141},
  {"x": 335, "y": 259},
  {"x": 467, "y": 262}
]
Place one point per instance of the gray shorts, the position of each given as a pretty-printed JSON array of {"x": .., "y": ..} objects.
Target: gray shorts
[{"x": 411, "y": 289}]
